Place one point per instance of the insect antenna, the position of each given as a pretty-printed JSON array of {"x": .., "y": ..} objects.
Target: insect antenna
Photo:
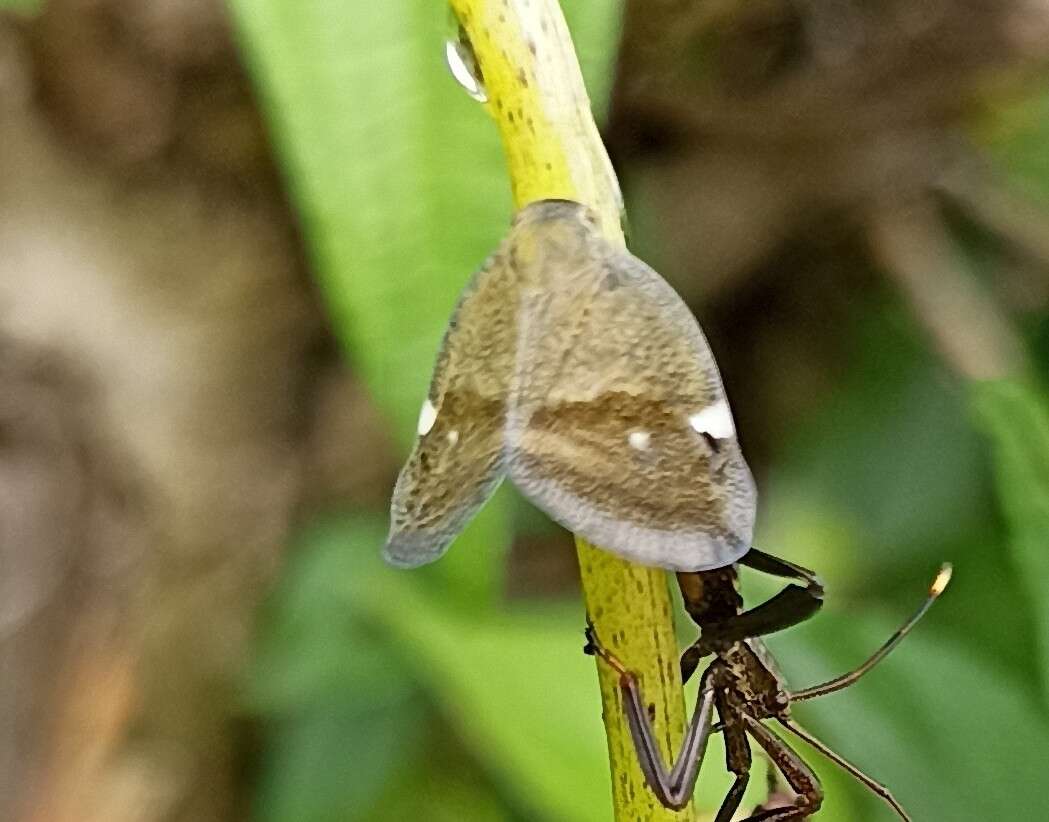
[
  {"x": 845, "y": 680},
  {"x": 871, "y": 784}
]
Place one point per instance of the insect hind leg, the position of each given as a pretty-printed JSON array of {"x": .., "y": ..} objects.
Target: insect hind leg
[{"x": 798, "y": 775}]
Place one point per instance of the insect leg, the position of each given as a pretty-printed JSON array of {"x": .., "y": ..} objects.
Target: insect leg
[
  {"x": 871, "y": 784},
  {"x": 737, "y": 759},
  {"x": 732, "y": 799},
  {"x": 798, "y": 775},
  {"x": 776, "y": 567},
  {"x": 673, "y": 789},
  {"x": 790, "y": 606}
]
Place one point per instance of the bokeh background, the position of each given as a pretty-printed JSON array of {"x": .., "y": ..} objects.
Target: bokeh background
[{"x": 230, "y": 236}]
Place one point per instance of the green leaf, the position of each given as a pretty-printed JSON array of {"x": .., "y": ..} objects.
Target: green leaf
[
  {"x": 523, "y": 696},
  {"x": 331, "y": 763},
  {"x": 396, "y": 173},
  {"x": 595, "y": 29},
  {"x": 1016, "y": 137},
  {"x": 398, "y": 179},
  {"x": 440, "y": 784},
  {"x": 951, "y": 735},
  {"x": 1016, "y": 419},
  {"x": 23, "y": 7},
  {"x": 328, "y": 690},
  {"x": 503, "y": 682}
]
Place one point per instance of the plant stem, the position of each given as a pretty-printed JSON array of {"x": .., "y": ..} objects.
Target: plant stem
[{"x": 553, "y": 149}]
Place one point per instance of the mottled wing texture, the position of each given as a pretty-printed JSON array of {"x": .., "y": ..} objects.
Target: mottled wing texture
[
  {"x": 457, "y": 460},
  {"x": 618, "y": 424}
]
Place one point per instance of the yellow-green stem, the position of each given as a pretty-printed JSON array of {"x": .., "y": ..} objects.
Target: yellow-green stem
[{"x": 536, "y": 96}]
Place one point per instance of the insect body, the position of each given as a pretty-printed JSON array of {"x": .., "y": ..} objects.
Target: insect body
[
  {"x": 576, "y": 371},
  {"x": 743, "y": 684}
]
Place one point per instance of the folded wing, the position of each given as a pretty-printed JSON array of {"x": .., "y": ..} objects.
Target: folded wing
[
  {"x": 458, "y": 457},
  {"x": 619, "y": 426}
]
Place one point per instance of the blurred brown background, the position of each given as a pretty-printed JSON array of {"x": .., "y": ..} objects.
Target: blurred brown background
[{"x": 170, "y": 403}]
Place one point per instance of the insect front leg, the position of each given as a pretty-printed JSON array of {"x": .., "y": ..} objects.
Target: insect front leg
[
  {"x": 792, "y": 605},
  {"x": 672, "y": 788}
]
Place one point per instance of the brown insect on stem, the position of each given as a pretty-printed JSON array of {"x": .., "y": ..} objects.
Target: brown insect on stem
[{"x": 744, "y": 686}]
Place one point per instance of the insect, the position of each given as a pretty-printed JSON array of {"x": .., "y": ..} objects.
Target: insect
[
  {"x": 574, "y": 369},
  {"x": 743, "y": 684}
]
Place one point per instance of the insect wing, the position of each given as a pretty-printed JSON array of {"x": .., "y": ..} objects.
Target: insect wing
[
  {"x": 457, "y": 460},
  {"x": 619, "y": 426}
]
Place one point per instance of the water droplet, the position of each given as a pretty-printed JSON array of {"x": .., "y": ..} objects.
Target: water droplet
[{"x": 463, "y": 65}]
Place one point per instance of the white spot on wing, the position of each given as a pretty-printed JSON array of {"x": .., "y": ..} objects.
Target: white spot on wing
[
  {"x": 453, "y": 437},
  {"x": 427, "y": 417},
  {"x": 716, "y": 420},
  {"x": 639, "y": 440}
]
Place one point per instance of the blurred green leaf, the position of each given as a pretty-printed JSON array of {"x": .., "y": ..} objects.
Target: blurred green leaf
[
  {"x": 396, "y": 173},
  {"x": 26, "y": 7},
  {"x": 304, "y": 657},
  {"x": 1016, "y": 137},
  {"x": 1016, "y": 419},
  {"x": 515, "y": 687},
  {"x": 398, "y": 179},
  {"x": 340, "y": 713},
  {"x": 331, "y": 762},
  {"x": 595, "y": 29},
  {"x": 441, "y": 784},
  {"x": 892, "y": 456},
  {"x": 888, "y": 479},
  {"x": 522, "y": 694},
  {"x": 952, "y": 736},
  {"x": 890, "y": 464}
]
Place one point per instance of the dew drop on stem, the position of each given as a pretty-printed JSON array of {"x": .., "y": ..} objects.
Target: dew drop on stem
[{"x": 463, "y": 64}]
